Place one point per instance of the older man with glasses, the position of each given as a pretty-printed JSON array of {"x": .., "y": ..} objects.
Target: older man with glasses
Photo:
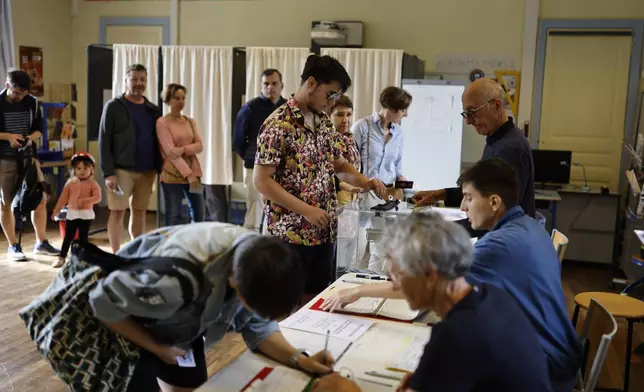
[{"x": 483, "y": 105}]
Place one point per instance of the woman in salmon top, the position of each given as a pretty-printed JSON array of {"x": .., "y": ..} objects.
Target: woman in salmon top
[
  {"x": 80, "y": 194},
  {"x": 181, "y": 174}
]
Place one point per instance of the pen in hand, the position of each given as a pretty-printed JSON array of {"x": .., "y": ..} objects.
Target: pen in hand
[{"x": 326, "y": 341}]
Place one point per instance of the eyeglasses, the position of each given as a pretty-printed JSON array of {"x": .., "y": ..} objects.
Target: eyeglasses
[
  {"x": 330, "y": 95},
  {"x": 472, "y": 113}
]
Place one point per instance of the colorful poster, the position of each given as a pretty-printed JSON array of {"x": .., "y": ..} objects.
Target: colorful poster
[{"x": 31, "y": 62}]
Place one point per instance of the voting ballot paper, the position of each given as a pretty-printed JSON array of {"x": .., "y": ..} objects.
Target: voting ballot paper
[{"x": 339, "y": 326}]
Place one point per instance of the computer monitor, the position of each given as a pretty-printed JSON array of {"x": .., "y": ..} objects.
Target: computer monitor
[{"x": 552, "y": 166}]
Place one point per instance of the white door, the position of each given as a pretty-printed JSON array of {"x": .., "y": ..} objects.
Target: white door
[{"x": 584, "y": 102}]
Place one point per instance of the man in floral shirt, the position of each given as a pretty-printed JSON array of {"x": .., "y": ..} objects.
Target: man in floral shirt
[{"x": 298, "y": 154}]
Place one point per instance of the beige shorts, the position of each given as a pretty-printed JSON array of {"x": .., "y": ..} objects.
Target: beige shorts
[
  {"x": 137, "y": 188},
  {"x": 9, "y": 179}
]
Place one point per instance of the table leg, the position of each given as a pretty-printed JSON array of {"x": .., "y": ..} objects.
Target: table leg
[
  {"x": 627, "y": 365},
  {"x": 553, "y": 212}
]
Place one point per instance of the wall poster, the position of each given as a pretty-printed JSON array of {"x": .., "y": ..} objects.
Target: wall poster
[{"x": 31, "y": 62}]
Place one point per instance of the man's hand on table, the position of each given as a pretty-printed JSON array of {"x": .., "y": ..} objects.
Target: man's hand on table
[{"x": 320, "y": 363}]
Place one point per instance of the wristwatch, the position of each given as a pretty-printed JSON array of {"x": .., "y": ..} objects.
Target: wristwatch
[{"x": 296, "y": 356}]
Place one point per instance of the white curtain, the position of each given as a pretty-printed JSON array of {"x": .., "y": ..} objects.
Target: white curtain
[
  {"x": 207, "y": 73},
  {"x": 7, "y": 49},
  {"x": 289, "y": 61},
  {"x": 371, "y": 70},
  {"x": 126, "y": 55}
]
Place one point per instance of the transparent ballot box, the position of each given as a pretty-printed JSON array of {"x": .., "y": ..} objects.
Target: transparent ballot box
[{"x": 360, "y": 229}]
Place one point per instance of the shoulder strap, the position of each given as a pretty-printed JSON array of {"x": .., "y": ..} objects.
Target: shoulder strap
[
  {"x": 191, "y": 127},
  {"x": 91, "y": 254}
]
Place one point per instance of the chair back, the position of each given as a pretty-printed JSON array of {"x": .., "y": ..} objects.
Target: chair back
[
  {"x": 597, "y": 333},
  {"x": 560, "y": 242}
]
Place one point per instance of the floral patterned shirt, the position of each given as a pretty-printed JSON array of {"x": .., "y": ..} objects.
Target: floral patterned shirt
[
  {"x": 352, "y": 154},
  {"x": 304, "y": 161}
]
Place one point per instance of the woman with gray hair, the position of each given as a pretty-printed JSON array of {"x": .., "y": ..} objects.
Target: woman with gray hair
[{"x": 484, "y": 341}]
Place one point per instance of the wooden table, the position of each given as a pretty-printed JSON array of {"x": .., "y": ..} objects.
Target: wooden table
[{"x": 240, "y": 372}]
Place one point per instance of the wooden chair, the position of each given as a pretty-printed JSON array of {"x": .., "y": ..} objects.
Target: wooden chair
[
  {"x": 560, "y": 242},
  {"x": 597, "y": 333},
  {"x": 618, "y": 305}
]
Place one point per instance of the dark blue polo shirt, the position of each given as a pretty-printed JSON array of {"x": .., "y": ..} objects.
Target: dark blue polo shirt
[
  {"x": 484, "y": 344},
  {"x": 511, "y": 145}
]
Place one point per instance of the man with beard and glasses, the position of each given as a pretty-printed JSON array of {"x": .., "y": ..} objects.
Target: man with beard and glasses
[
  {"x": 298, "y": 154},
  {"x": 130, "y": 155}
]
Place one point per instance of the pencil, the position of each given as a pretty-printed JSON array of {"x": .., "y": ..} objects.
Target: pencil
[
  {"x": 374, "y": 382},
  {"x": 326, "y": 341}
]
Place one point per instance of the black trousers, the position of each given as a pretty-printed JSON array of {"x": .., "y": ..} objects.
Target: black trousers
[
  {"x": 150, "y": 368},
  {"x": 71, "y": 226},
  {"x": 216, "y": 203}
]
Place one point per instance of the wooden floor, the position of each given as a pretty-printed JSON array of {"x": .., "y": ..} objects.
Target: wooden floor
[{"x": 22, "y": 369}]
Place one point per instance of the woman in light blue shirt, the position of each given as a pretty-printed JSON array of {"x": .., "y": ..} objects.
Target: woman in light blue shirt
[{"x": 379, "y": 138}]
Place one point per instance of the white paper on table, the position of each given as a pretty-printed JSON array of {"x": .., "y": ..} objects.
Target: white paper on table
[
  {"x": 384, "y": 345},
  {"x": 283, "y": 379},
  {"x": 366, "y": 305},
  {"x": 340, "y": 326},
  {"x": 409, "y": 356},
  {"x": 315, "y": 343}
]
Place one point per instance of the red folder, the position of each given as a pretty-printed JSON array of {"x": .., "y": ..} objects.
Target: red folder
[
  {"x": 318, "y": 306},
  {"x": 260, "y": 376}
]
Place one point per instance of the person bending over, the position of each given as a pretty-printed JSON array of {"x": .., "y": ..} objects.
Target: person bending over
[{"x": 255, "y": 279}]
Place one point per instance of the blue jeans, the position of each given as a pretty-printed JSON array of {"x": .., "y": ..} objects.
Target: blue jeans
[{"x": 173, "y": 196}]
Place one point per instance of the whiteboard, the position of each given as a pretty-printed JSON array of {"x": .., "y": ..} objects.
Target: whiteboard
[{"x": 433, "y": 133}]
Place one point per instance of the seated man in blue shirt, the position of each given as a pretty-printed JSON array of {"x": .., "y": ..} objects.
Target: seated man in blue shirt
[
  {"x": 483, "y": 343},
  {"x": 517, "y": 255}
]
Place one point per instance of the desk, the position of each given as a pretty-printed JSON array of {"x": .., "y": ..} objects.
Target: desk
[
  {"x": 589, "y": 220},
  {"x": 552, "y": 197},
  {"x": 237, "y": 374}
]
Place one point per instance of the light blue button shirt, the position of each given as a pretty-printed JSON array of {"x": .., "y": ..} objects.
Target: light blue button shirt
[{"x": 381, "y": 160}]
